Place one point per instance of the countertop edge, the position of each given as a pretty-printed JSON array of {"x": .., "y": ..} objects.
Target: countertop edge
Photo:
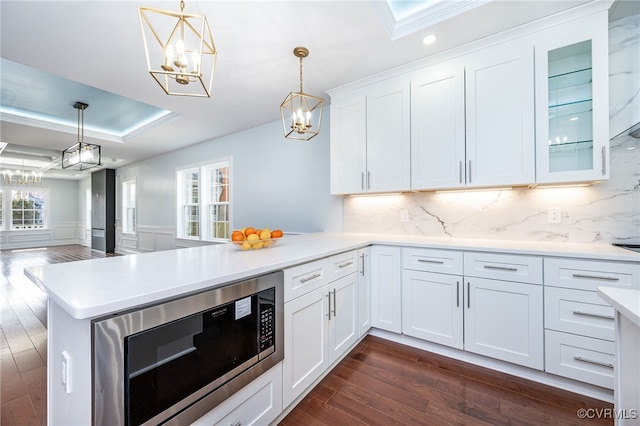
[
  {"x": 624, "y": 300},
  {"x": 50, "y": 278}
]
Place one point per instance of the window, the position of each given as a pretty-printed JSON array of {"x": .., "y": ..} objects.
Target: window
[
  {"x": 218, "y": 201},
  {"x": 204, "y": 202},
  {"x": 28, "y": 209},
  {"x": 129, "y": 207}
]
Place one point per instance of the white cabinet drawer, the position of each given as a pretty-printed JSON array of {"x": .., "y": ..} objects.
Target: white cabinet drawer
[
  {"x": 580, "y": 358},
  {"x": 431, "y": 260},
  {"x": 578, "y": 312},
  {"x": 341, "y": 265},
  {"x": 590, "y": 274},
  {"x": 258, "y": 403},
  {"x": 524, "y": 269},
  {"x": 302, "y": 279}
]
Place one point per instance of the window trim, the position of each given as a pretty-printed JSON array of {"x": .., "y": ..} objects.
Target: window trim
[
  {"x": 7, "y": 221},
  {"x": 125, "y": 193},
  {"x": 203, "y": 170}
]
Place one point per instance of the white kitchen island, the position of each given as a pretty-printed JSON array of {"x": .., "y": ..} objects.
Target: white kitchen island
[
  {"x": 626, "y": 302},
  {"x": 82, "y": 291}
]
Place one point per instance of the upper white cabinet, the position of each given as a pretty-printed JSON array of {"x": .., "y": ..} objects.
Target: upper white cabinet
[
  {"x": 348, "y": 143},
  {"x": 437, "y": 127},
  {"x": 500, "y": 115},
  {"x": 370, "y": 139},
  {"x": 472, "y": 120},
  {"x": 572, "y": 95}
]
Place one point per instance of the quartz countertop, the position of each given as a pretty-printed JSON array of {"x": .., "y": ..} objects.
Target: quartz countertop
[
  {"x": 624, "y": 300},
  {"x": 97, "y": 287}
]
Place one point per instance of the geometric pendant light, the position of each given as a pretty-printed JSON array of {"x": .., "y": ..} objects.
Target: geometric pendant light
[
  {"x": 81, "y": 155},
  {"x": 301, "y": 113},
  {"x": 180, "y": 52}
]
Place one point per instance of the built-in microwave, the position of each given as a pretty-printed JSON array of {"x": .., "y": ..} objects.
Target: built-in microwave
[{"x": 173, "y": 362}]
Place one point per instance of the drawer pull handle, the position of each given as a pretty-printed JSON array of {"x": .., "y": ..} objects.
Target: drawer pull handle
[
  {"x": 362, "y": 258},
  {"x": 589, "y": 314},
  {"x": 501, "y": 268},
  {"x": 312, "y": 277},
  {"x": 457, "y": 293},
  {"x": 439, "y": 262},
  {"x": 345, "y": 264},
  {"x": 590, "y": 361},
  {"x": 329, "y": 305},
  {"x": 595, "y": 277},
  {"x": 334, "y": 303}
]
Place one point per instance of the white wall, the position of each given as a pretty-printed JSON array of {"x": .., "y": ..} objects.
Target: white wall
[
  {"x": 277, "y": 183},
  {"x": 62, "y": 214}
]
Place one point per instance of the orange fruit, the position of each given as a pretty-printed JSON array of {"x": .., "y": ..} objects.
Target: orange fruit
[
  {"x": 237, "y": 236},
  {"x": 276, "y": 233},
  {"x": 248, "y": 231}
]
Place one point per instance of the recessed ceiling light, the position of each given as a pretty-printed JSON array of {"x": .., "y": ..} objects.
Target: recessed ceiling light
[{"x": 429, "y": 39}]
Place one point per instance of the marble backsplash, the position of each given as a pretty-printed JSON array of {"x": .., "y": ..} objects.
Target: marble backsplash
[{"x": 604, "y": 212}]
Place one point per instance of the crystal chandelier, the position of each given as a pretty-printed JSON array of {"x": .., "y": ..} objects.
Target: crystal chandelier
[
  {"x": 81, "y": 155},
  {"x": 181, "y": 55},
  {"x": 301, "y": 113}
]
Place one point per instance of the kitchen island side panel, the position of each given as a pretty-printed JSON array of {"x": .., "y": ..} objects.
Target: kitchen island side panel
[{"x": 70, "y": 405}]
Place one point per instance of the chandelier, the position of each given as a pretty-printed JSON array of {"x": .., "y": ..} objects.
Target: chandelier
[
  {"x": 181, "y": 55},
  {"x": 81, "y": 155},
  {"x": 300, "y": 110},
  {"x": 21, "y": 177}
]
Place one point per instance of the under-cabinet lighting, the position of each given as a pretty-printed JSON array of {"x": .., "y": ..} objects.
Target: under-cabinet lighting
[
  {"x": 467, "y": 190},
  {"x": 563, "y": 185}
]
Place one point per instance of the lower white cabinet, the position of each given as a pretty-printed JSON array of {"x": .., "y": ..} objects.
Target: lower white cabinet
[
  {"x": 386, "y": 288},
  {"x": 432, "y": 307},
  {"x": 364, "y": 291},
  {"x": 319, "y": 327},
  {"x": 504, "y": 320},
  {"x": 258, "y": 403}
]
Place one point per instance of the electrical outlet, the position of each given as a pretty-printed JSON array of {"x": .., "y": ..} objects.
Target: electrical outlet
[
  {"x": 554, "y": 215},
  {"x": 404, "y": 215}
]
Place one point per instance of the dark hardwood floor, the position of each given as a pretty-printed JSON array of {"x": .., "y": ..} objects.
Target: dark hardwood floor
[{"x": 378, "y": 383}]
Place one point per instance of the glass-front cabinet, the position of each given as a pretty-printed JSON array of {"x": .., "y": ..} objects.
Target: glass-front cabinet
[{"x": 572, "y": 98}]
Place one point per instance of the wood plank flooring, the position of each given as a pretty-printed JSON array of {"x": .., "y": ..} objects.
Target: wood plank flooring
[
  {"x": 23, "y": 332},
  {"x": 378, "y": 383},
  {"x": 385, "y": 383}
]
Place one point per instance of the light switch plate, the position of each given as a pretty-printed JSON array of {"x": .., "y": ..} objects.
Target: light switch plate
[{"x": 554, "y": 215}]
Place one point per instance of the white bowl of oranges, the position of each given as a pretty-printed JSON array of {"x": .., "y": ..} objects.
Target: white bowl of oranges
[{"x": 254, "y": 239}]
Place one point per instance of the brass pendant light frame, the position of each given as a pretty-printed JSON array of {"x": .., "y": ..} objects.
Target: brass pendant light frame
[
  {"x": 186, "y": 76},
  {"x": 296, "y": 125}
]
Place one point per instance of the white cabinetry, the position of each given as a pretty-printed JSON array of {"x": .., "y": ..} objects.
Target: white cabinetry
[
  {"x": 572, "y": 101},
  {"x": 319, "y": 325},
  {"x": 485, "y": 97},
  {"x": 500, "y": 115},
  {"x": 504, "y": 307},
  {"x": 364, "y": 291},
  {"x": 432, "y": 299},
  {"x": 370, "y": 139},
  {"x": 437, "y": 127},
  {"x": 258, "y": 403},
  {"x": 386, "y": 288},
  {"x": 579, "y": 325}
]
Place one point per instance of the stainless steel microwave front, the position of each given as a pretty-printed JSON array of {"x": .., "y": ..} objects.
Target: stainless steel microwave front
[{"x": 110, "y": 334}]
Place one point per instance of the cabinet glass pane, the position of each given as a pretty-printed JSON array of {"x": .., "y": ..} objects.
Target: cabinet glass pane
[{"x": 570, "y": 108}]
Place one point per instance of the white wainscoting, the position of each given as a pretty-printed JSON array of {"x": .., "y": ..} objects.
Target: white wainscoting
[
  {"x": 146, "y": 239},
  {"x": 58, "y": 234}
]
